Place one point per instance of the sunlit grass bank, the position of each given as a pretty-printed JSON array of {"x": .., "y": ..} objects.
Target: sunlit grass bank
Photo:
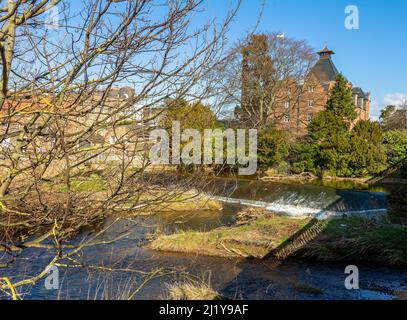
[
  {"x": 346, "y": 239},
  {"x": 252, "y": 240},
  {"x": 159, "y": 200},
  {"x": 359, "y": 239},
  {"x": 191, "y": 291},
  {"x": 93, "y": 183}
]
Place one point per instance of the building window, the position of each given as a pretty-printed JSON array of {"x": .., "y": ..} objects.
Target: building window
[
  {"x": 311, "y": 89},
  {"x": 286, "y": 118},
  {"x": 112, "y": 139},
  {"x": 311, "y": 103},
  {"x": 287, "y": 104},
  {"x": 309, "y": 117},
  {"x": 360, "y": 103}
]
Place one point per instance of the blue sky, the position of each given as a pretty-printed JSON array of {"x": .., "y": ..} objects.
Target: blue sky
[{"x": 373, "y": 57}]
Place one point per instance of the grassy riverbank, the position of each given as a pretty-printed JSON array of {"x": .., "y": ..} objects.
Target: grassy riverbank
[
  {"x": 255, "y": 239},
  {"x": 159, "y": 200},
  {"x": 347, "y": 239},
  {"x": 359, "y": 240}
]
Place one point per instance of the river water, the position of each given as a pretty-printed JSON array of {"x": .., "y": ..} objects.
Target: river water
[
  {"x": 233, "y": 278},
  {"x": 297, "y": 200}
]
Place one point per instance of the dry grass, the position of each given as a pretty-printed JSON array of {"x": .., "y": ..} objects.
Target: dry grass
[
  {"x": 256, "y": 239},
  {"x": 191, "y": 290},
  {"x": 400, "y": 295},
  {"x": 379, "y": 242}
]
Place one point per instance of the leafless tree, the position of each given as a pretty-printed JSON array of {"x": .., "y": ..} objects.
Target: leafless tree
[
  {"x": 81, "y": 86},
  {"x": 394, "y": 117},
  {"x": 262, "y": 72}
]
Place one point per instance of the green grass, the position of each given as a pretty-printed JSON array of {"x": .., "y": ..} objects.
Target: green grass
[
  {"x": 93, "y": 183},
  {"x": 252, "y": 240},
  {"x": 352, "y": 239},
  {"x": 359, "y": 239}
]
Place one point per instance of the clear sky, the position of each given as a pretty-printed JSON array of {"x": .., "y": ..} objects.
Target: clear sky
[{"x": 373, "y": 57}]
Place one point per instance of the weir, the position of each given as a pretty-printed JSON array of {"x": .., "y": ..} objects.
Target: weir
[{"x": 320, "y": 206}]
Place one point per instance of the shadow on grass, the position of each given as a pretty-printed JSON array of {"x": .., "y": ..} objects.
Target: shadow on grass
[{"x": 336, "y": 243}]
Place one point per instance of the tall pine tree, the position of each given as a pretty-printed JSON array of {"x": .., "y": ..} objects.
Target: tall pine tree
[
  {"x": 368, "y": 153},
  {"x": 330, "y": 131},
  {"x": 257, "y": 81},
  {"x": 336, "y": 147}
]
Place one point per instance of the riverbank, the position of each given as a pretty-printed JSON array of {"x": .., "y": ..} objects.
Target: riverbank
[
  {"x": 152, "y": 201},
  {"x": 307, "y": 176},
  {"x": 353, "y": 239},
  {"x": 254, "y": 239}
]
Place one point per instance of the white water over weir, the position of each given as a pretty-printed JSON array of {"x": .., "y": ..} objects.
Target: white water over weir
[{"x": 298, "y": 208}]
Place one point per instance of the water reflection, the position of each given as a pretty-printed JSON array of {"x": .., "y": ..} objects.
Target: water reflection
[
  {"x": 233, "y": 278},
  {"x": 302, "y": 199}
]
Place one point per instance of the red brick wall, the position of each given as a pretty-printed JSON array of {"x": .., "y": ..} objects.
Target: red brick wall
[{"x": 300, "y": 112}]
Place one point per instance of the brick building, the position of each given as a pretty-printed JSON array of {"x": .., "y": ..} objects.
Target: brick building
[
  {"x": 300, "y": 104},
  {"x": 109, "y": 123}
]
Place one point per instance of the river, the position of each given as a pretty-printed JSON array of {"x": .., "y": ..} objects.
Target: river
[{"x": 233, "y": 278}]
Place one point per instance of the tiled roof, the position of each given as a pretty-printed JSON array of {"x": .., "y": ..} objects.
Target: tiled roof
[
  {"x": 359, "y": 92},
  {"x": 326, "y": 50},
  {"x": 325, "y": 70}
]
